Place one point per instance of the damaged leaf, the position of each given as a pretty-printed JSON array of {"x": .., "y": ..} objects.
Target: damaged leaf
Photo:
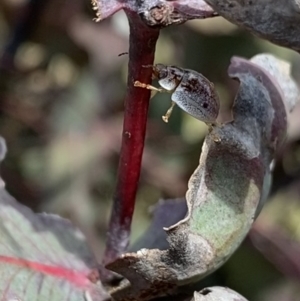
[
  {"x": 232, "y": 179},
  {"x": 43, "y": 257},
  {"x": 274, "y": 20},
  {"x": 156, "y": 13}
]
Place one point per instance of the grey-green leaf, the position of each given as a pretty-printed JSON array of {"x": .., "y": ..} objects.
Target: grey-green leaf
[
  {"x": 224, "y": 193},
  {"x": 275, "y": 20}
]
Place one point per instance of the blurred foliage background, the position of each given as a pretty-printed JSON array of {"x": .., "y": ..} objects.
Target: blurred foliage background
[{"x": 62, "y": 86}]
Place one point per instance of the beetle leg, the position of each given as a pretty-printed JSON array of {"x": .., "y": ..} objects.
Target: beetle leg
[
  {"x": 166, "y": 117},
  {"x": 148, "y": 87}
]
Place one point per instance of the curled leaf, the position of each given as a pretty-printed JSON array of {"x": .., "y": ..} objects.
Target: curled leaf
[
  {"x": 274, "y": 20},
  {"x": 280, "y": 72},
  {"x": 224, "y": 193},
  {"x": 156, "y": 13}
]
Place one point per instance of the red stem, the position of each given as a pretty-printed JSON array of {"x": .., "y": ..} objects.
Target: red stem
[{"x": 141, "y": 52}]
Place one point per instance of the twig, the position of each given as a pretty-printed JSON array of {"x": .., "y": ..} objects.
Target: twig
[{"x": 141, "y": 52}]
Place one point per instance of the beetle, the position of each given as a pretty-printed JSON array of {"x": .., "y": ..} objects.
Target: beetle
[{"x": 190, "y": 90}]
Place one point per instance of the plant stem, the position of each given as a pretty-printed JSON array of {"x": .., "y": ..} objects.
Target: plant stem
[{"x": 141, "y": 52}]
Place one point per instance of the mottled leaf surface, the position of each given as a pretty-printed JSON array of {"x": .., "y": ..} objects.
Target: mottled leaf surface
[
  {"x": 275, "y": 20},
  {"x": 225, "y": 191},
  {"x": 42, "y": 257}
]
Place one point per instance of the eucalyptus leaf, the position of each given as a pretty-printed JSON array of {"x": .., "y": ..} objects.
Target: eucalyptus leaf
[
  {"x": 274, "y": 20},
  {"x": 224, "y": 194}
]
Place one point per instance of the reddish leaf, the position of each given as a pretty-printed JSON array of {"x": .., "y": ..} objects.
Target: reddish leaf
[
  {"x": 278, "y": 248},
  {"x": 42, "y": 257}
]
